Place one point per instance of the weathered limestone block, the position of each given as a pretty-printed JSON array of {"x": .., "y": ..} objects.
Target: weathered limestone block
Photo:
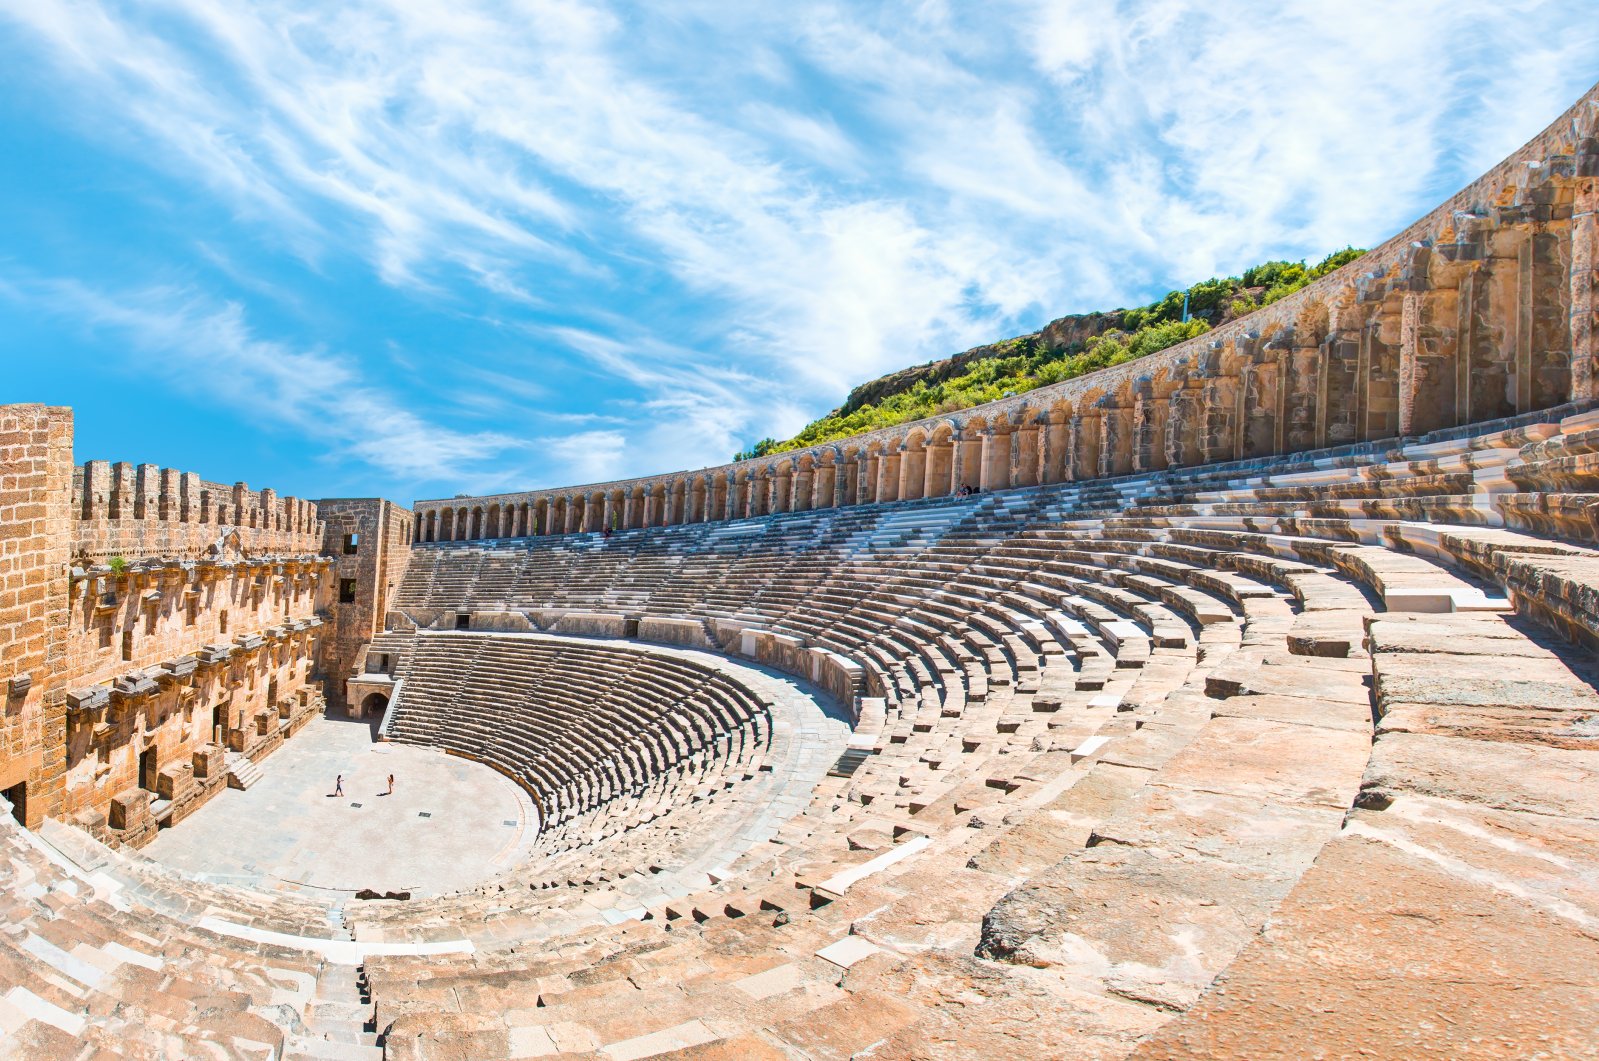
[
  {"x": 1375, "y": 947},
  {"x": 130, "y": 810}
]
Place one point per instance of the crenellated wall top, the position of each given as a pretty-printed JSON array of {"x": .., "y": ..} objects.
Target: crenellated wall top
[
  {"x": 1528, "y": 188},
  {"x": 138, "y": 511}
]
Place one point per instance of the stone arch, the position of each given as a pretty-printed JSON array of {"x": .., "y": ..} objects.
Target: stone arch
[
  {"x": 697, "y": 500},
  {"x": 373, "y": 705}
]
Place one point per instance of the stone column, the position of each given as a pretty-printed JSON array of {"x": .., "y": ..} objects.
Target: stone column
[
  {"x": 1585, "y": 292},
  {"x": 1056, "y": 446},
  {"x": 804, "y": 482},
  {"x": 1078, "y": 464},
  {"x": 1148, "y": 447},
  {"x": 912, "y": 469},
  {"x": 1301, "y": 393},
  {"x": 1410, "y": 354},
  {"x": 890, "y": 474},
  {"x": 1024, "y": 454},
  {"x": 987, "y": 454},
  {"x": 1526, "y": 287},
  {"x": 936, "y": 462},
  {"x": 824, "y": 491},
  {"x": 1110, "y": 442}
]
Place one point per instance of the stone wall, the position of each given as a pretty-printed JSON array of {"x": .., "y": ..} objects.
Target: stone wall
[
  {"x": 173, "y": 663},
  {"x": 1484, "y": 308},
  {"x": 131, "y": 511},
  {"x": 150, "y": 623},
  {"x": 35, "y": 532},
  {"x": 369, "y": 541}
]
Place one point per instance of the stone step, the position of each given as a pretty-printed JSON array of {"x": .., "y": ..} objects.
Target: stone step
[{"x": 242, "y": 772}]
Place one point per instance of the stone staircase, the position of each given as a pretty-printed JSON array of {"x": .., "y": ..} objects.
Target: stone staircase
[
  {"x": 338, "y": 1020},
  {"x": 242, "y": 772}
]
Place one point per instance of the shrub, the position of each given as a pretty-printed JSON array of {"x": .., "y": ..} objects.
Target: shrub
[{"x": 1023, "y": 363}]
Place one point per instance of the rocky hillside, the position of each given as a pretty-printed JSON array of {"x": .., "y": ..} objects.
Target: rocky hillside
[{"x": 1062, "y": 350}]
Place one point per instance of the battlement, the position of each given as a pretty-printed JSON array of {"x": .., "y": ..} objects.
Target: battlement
[{"x": 136, "y": 511}]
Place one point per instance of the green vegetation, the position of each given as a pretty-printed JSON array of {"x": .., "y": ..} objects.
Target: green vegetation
[
  {"x": 1026, "y": 362},
  {"x": 118, "y": 565}
]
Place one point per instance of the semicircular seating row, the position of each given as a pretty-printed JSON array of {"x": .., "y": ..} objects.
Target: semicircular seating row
[
  {"x": 1126, "y": 736},
  {"x": 581, "y": 726},
  {"x": 1275, "y": 725}
]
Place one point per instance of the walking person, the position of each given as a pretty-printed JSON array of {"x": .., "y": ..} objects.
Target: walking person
[
  {"x": 391, "y": 784},
  {"x": 338, "y": 785}
]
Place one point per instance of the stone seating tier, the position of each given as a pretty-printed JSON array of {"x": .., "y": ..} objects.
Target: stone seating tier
[
  {"x": 1087, "y": 697},
  {"x": 1130, "y": 766}
]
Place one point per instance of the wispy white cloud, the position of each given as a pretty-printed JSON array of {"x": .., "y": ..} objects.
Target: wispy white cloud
[
  {"x": 210, "y": 350},
  {"x": 720, "y": 248}
]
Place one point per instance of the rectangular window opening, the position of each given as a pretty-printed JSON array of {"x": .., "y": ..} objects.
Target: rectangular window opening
[
  {"x": 346, "y": 591},
  {"x": 352, "y": 544}
]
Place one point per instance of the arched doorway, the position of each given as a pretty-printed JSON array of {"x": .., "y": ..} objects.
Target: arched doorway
[{"x": 374, "y": 705}]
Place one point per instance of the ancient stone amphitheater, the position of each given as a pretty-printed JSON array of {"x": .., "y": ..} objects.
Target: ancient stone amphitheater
[{"x": 1245, "y": 710}]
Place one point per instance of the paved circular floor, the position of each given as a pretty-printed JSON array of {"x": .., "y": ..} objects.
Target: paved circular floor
[{"x": 450, "y": 823}]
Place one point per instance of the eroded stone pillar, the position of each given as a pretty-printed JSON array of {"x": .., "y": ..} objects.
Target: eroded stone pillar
[
  {"x": 1115, "y": 442},
  {"x": 1057, "y": 447},
  {"x": 1427, "y": 365},
  {"x": 804, "y": 483},
  {"x": 1084, "y": 440},
  {"x": 1301, "y": 393},
  {"x": 1149, "y": 429},
  {"x": 1024, "y": 454},
  {"x": 1584, "y": 322},
  {"x": 912, "y": 470},
  {"x": 938, "y": 468},
  {"x": 889, "y": 474}
]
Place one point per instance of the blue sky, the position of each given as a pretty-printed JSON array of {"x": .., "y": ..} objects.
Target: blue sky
[{"x": 414, "y": 250}]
